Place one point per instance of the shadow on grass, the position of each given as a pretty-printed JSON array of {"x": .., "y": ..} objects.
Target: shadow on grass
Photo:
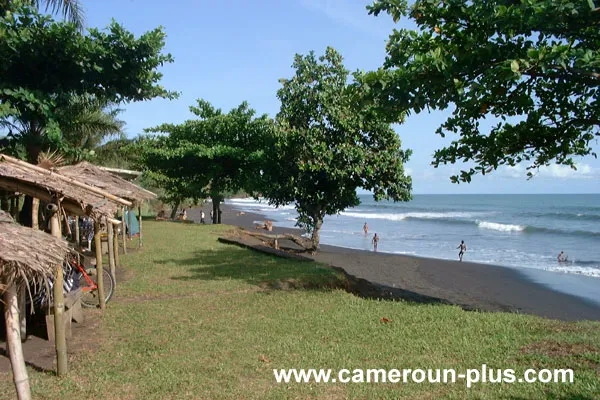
[
  {"x": 272, "y": 272},
  {"x": 257, "y": 269}
]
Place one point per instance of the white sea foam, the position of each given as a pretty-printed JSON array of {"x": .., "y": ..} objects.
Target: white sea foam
[
  {"x": 260, "y": 204},
  {"x": 587, "y": 271},
  {"x": 500, "y": 227},
  {"x": 390, "y": 217},
  {"x": 414, "y": 215}
]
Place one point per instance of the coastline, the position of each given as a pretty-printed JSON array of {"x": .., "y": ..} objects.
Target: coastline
[{"x": 469, "y": 285}]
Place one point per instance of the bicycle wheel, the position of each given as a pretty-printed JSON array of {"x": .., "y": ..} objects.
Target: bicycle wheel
[{"x": 90, "y": 298}]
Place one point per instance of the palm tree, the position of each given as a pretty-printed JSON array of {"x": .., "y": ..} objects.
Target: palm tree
[
  {"x": 85, "y": 122},
  {"x": 71, "y": 10}
]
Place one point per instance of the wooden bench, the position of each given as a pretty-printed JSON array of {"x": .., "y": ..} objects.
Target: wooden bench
[{"x": 73, "y": 312}]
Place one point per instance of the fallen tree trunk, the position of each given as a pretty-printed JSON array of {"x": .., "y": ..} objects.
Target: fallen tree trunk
[{"x": 306, "y": 244}]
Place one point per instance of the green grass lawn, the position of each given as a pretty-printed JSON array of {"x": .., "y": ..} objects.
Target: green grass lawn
[{"x": 199, "y": 319}]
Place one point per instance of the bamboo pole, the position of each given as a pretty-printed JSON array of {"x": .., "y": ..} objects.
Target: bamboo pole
[
  {"x": 124, "y": 230},
  {"x": 14, "y": 207},
  {"x": 77, "y": 233},
  {"x": 99, "y": 266},
  {"x": 22, "y": 292},
  {"x": 140, "y": 222},
  {"x": 59, "y": 308},
  {"x": 116, "y": 242},
  {"x": 111, "y": 252},
  {"x": 35, "y": 209},
  {"x": 71, "y": 181},
  {"x": 13, "y": 338},
  {"x": 40, "y": 194}
]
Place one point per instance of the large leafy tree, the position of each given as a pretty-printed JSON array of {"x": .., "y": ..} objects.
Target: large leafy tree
[
  {"x": 326, "y": 146},
  {"x": 44, "y": 63},
  {"x": 215, "y": 154},
  {"x": 532, "y": 67}
]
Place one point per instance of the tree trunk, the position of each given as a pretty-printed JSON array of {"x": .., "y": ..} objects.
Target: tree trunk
[
  {"x": 175, "y": 208},
  {"x": 216, "y": 203},
  {"x": 316, "y": 234},
  {"x": 13, "y": 338}
]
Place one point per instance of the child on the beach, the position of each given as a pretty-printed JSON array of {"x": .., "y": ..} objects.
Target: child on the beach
[
  {"x": 375, "y": 241},
  {"x": 366, "y": 228}
]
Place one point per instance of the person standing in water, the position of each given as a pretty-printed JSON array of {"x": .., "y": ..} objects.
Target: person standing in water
[
  {"x": 562, "y": 257},
  {"x": 366, "y": 229},
  {"x": 463, "y": 247},
  {"x": 375, "y": 241}
]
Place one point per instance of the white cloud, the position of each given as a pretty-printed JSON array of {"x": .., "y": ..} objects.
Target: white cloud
[{"x": 554, "y": 171}]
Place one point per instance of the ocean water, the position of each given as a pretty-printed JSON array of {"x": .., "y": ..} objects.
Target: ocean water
[{"x": 520, "y": 231}]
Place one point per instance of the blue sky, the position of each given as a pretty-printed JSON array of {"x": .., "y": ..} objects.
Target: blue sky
[{"x": 230, "y": 51}]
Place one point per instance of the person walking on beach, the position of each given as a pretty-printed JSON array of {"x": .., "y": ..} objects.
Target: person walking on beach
[
  {"x": 366, "y": 229},
  {"x": 202, "y": 217},
  {"x": 463, "y": 247},
  {"x": 375, "y": 241}
]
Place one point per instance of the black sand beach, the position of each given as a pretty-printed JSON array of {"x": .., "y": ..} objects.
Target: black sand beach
[{"x": 469, "y": 285}]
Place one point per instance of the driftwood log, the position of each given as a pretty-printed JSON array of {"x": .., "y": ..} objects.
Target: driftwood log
[{"x": 275, "y": 238}]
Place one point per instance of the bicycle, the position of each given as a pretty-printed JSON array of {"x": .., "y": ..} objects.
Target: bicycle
[
  {"x": 89, "y": 287},
  {"x": 76, "y": 276}
]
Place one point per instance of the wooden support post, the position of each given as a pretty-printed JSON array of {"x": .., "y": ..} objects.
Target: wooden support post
[
  {"x": 111, "y": 251},
  {"x": 35, "y": 209},
  {"x": 13, "y": 338},
  {"x": 140, "y": 222},
  {"x": 22, "y": 311},
  {"x": 77, "y": 233},
  {"x": 60, "y": 341},
  {"x": 14, "y": 207},
  {"x": 99, "y": 266},
  {"x": 124, "y": 230},
  {"x": 116, "y": 244}
]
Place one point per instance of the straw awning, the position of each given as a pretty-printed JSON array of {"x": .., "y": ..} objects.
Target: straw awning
[
  {"x": 100, "y": 178},
  {"x": 27, "y": 255},
  {"x": 76, "y": 197}
]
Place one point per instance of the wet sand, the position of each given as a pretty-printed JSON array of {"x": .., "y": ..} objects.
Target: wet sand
[{"x": 469, "y": 285}]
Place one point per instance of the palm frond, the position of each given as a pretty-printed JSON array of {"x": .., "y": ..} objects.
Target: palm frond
[{"x": 72, "y": 10}]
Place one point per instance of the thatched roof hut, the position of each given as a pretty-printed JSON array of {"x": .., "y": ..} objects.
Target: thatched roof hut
[
  {"x": 27, "y": 255},
  {"x": 100, "y": 178},
  {"x": 76, "y": 197}
]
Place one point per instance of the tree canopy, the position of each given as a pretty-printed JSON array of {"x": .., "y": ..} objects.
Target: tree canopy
[
  {"x": 44, "y": 63},
  {"x": 326, "y": 146},
  {"x": 215, "y": 154},
  {"x": 532, "y": 67}
]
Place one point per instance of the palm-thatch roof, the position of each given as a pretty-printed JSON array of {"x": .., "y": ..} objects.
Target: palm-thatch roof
[
  {"x": 27, "y": 255},
  {"x": 76, "y": 197},
  {"x": 98, "y": 177}
]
